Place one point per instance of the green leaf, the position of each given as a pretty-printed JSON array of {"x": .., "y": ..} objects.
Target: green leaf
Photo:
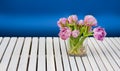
[{"x": 89, "y": 34}]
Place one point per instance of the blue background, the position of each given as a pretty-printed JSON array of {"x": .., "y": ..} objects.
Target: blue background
[{"x": 39, "y": 17}]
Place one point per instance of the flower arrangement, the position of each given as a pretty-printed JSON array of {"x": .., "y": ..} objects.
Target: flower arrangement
[{"x": 78, "y": 30}]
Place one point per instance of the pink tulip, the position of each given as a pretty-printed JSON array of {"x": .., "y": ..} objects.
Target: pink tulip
[
  {"x": 80, "y": 22},
  {"x": 72, "y": 19},
  {"x": 99, "y": 33},
  {"x": 61, "y": 22},
  {"x": 65, "y": 33},
  {"x": 75, "y": 33},
  {"x": 89, "y": 20}
]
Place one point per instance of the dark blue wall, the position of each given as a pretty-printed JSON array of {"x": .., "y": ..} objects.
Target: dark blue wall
[{"x": 39, "y": 17}]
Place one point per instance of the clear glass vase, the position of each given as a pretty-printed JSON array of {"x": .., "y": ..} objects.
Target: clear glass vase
[{"x": 77, "y": 46}]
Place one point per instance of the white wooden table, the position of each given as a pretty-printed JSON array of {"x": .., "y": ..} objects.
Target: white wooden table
[{"x": 49, "y": 54}]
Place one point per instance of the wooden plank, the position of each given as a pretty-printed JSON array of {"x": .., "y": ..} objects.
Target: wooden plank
[
  {"x": 109, "y": 57},
  {"x": 117, "y": 39},
  {"x": 57, "y": 54},
  {"x": 33, "y": 55},
  {"x": 109, "y": 48},
  {"x": 86, "y": 63},
  {"x": 8, "y": 53},
  {"x": 1, "y": 39},
  {"x": 50, "y": 56},
  {"x": 72, "y": 59},
  {"x": 92, "y": 60},
  {"x": 113, "y": 47},
  {"x": 80, "y": 64},
  {"x": 25, "y": 54},
  {"x": 115, "y": 43},
  {"x": 3, "y": 46},
  {"x": 103, "y": 57},
  {"x": 96, "y": 56},
  {"x": 106, "y": 57},
  {"x": 64, "y": 56},
  {"x": 16, "y": 55},
  {"x": 41, "y": 57},
  {"x": 73, "y": 64}
]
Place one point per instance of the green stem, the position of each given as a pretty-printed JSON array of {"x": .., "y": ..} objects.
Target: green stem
[{"x": 78, "y": 44}]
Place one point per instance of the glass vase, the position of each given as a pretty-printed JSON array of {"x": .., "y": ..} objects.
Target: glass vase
[{"x": 77, "y": 46}]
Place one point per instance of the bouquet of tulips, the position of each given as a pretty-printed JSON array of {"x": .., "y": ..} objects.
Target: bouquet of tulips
[{"x": 78, "y": 30}]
